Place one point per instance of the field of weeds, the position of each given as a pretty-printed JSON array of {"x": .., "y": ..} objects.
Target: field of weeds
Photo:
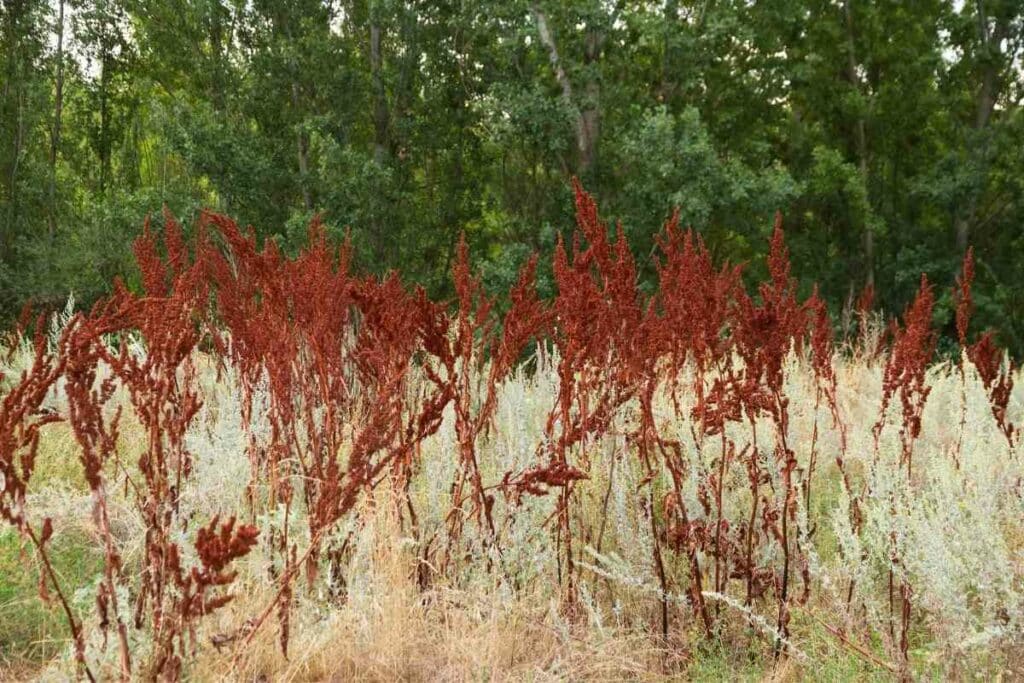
[{"x": 266, "y": 468}]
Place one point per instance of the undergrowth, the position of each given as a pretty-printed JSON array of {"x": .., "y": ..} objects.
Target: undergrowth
[{"x": 272, "y": 467}]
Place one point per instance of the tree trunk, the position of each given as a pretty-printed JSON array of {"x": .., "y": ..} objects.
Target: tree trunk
[
  {"x": 860, "y": 141},
  {"x": 283, "y": 28},
  {"x": 12, "y": 105},
  {"x": 104, "y": 122},
  {"x": 381, "y": 125},
  {"x": 302, "y": 144},
  {"x": 668, "y": 87},
  {"x": 380, "y": 103},
  {"x": 587, "y": 123},
  {"x": 590, "y": 113},
  {"x": 217, "y": 55},
  {"x": 58, "y": 106},
  {"x": 988, "y": 92}
]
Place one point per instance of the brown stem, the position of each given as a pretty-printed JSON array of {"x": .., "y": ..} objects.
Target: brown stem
[{"x": 73, "y": 623}]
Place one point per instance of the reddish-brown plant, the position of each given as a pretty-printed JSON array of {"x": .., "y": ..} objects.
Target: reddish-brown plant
[
  {"x": 22, "y": 417},
  {"x": 695, "y": 300},
  {"x": 217, "y": 548},
  {"x": 962, "y": 296},
  {"x": 475, "y": 336},
  {"x": 97, "y": 435},
  {"x": 905, "y": 372},
  {"x": 596, "y": 318},
  {"x": 912, "y": 348},
  {"x": 984, "y": 354},
  {"x": 997, "y": 377},
  {"x": 358, "y": 371},
  {"x": 765, "y": 335},
  {"x": 159, "y": 376}
]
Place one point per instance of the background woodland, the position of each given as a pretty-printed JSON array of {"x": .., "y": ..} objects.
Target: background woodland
[{"x": 889, "y": 134}]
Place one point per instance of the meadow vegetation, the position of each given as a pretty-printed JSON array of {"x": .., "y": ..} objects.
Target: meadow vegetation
[{"x": 274, "y": 468}]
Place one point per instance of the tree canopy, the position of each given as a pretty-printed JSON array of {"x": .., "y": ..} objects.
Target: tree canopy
[{"x": 889, "y": 134}]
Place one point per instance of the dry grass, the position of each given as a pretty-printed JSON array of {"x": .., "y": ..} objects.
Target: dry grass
[{"x": 423, "y": 516}]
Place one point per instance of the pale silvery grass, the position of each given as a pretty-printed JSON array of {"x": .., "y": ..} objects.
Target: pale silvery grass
[{"x": 957, "y": 528}]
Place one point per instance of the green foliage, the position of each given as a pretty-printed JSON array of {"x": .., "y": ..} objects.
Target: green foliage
[
  {"x": 671, "y": 161},
  {"x": 407, "y": 123}
]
